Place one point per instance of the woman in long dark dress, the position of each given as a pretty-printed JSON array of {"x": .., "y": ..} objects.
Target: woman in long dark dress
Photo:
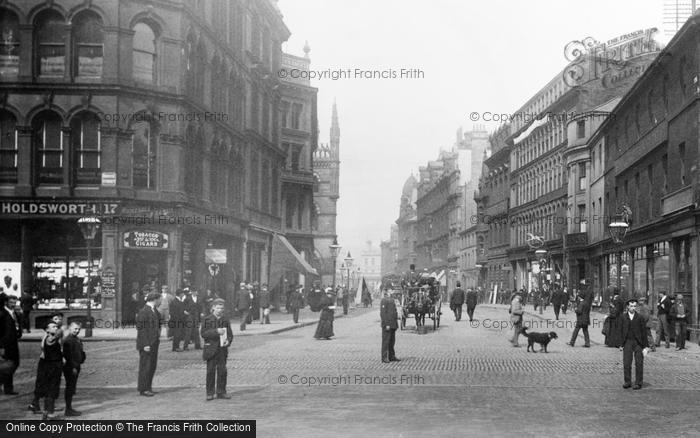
[
  {"x": 613, "y": 323},
  {"x": 324, "y": 330}
]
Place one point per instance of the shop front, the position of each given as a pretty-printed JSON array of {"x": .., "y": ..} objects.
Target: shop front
[{"x": 43, "y": 250}]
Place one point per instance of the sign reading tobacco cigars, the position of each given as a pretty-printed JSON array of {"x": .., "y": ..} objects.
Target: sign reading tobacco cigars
[{"x": 145, "y": 239}]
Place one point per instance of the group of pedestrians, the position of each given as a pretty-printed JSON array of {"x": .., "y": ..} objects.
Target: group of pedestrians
[
  {"x": 215, "y": 330},
  {"x": 458, "y": 298},
  {"x": 673, "y": 315},
  {"x": 253, "y": 301}
]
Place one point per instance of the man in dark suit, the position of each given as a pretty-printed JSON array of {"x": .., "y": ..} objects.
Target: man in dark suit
[
  {"x": 471, "y": 303},
  {"x": 457, "y": 301},
  {"x": 389, "y": 318},
  {"x": 244, "y": 302},
  {"x": 193, "y": 317},
  {"x": 177, "y": 319},
  {"x": 556, "y": 300},
  {"x": 680, "y": 313},
  {"x": 635, "y": 344},
  {"x": 147, "y": 343},
  {"x": 10, "y": 332},
  {"x": 583, "y": 319},
  {"x": 663, "y": 307},
  {"x": 74, "y": 357},
  {"x": 26, "y": 302},
  {"x": 296, "y": 302},
  {"x": 217, "y": 334}
]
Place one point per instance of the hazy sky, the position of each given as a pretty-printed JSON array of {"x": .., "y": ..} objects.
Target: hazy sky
[{"x": 476, "y": 56}]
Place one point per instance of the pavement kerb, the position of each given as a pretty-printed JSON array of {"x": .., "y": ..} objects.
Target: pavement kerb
[{"x": 163, "y": 338}]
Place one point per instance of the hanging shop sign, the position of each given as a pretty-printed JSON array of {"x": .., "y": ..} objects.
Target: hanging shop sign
[
  {"x": 213, "y": 255},
  {"x": 145, "y": 239}
]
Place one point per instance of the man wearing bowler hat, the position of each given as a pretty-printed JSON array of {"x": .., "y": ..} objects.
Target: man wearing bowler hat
[
  {"x": 635, "y": 344},
  {"x": 147, "y": 343}
]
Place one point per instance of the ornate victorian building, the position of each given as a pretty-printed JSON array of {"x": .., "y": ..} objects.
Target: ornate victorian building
[
  {"x": 326, "y": 163},
  {"x": 162, "y": 119}
]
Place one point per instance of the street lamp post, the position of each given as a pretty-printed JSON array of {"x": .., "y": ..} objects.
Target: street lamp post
[
  {"x": 89, "y": 226},
  {"x": 618, "y": 230},
  {"x": 335, "y": 249},
  {"x": 348, "y": 266},
  {"x": 541, "y": 253}
]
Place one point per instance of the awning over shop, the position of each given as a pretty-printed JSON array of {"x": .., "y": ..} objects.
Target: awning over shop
[
  {"x": 285, "y": 255},
  {"x": 441, "y": 277}
]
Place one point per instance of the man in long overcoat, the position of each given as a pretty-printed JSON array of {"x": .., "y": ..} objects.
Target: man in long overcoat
[{"x": 389, "y": 317}]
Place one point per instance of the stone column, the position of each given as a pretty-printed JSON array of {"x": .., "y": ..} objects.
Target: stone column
[{"x": 25, "y": 163}]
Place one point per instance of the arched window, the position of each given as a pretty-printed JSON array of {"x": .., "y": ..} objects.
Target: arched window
[
  {"x": 144, "y": 147},
  {"x": 144, "y": 53},
  {"x": 215, "y": 90},
  {"x": 88, "y": 40},
  {"x": 51, "y": 32},
  {"x": 236, "y": 178},
  {"x": 199, "y": 69},
  {"x": 190, "y": 65},
  {"x": 9, "y": 44},
  {"x": 8, "y": 148},
  {"x": 194, "y": 161},
  {"x": 85, "y": 148},
  {"x": 48, "y": 147}
]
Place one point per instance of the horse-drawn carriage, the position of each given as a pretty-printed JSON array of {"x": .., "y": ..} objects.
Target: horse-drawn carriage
[{"x": 419, "y": 299}]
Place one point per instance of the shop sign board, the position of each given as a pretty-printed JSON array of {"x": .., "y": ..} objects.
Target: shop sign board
[
  {"x": 215, "y": 256},
  {"x": 69, "y": 207},
  {"x": 145, "y": 239}
]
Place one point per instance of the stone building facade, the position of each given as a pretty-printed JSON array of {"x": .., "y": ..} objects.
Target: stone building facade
[{"x": 162, "y": 119}]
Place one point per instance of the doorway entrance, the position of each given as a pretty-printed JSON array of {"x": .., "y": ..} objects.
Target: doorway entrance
[{"x": 143, "y": 271}]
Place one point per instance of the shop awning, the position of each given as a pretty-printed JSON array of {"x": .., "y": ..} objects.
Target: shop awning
[
  {"x": 440, "y": 277},
  {"x": 286, "y": 255}
]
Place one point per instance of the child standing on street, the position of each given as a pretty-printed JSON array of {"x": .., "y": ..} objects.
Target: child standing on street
[{"x": 48, "y": 373}]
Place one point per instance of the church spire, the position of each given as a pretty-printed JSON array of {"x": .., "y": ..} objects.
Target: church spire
[{"x": 335, "y": 130}]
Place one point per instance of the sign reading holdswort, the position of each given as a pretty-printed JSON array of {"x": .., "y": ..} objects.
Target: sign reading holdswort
[
  {"x": 145, "y": 239},
  {"x": 73, "y": 207}
]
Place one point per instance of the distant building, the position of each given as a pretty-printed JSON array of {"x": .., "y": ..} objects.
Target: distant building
[
  {"x": 369, "y": 266},
  {"x": 326, "y": 164},
  {"x": 390, "y": 252},
  {"x": 406, "y": 225}
]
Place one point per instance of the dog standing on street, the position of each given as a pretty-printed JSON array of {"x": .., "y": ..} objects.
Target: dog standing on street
[{"x": 540, "y": 338}]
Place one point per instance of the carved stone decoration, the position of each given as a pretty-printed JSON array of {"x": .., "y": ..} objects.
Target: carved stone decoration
[
  {"x": 86, "y": 99},
  {"x": 48, "y": 98}
]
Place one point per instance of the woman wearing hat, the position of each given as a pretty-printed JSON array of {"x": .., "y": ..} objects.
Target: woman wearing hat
[{"x": 324, "y": 330}]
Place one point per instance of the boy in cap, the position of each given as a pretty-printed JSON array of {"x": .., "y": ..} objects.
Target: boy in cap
[
  {"x": 635, "y": 344},
  {"x": 217, "y": 334},
  {"x": 74, "y": 356}
]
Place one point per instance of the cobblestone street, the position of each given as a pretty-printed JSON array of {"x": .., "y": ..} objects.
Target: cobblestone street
[{"x": 462, "y": 378}]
